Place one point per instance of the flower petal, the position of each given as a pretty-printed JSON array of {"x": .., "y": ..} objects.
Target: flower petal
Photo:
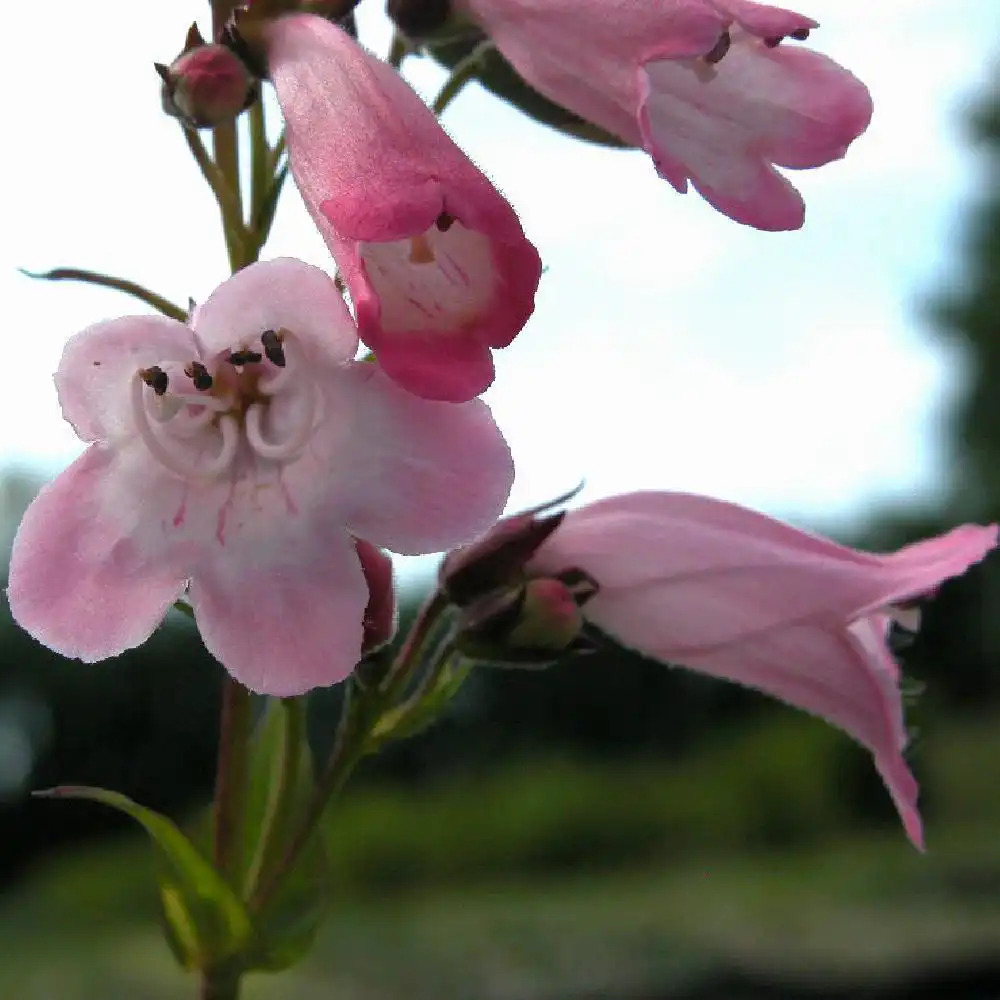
[
  {"x": 690, "y": 574},
  {"x": 98, "y": 364},
  {"x": 285, "y": 616},
  {"x": 728, "y": 123},
  {"x": 848, "y": 680},
  {"x": 83, "y": 581},
  {"x": 430, "y": 251},
  {"x": 278, "y": 293},
  {"x": 421, "y": 476}
]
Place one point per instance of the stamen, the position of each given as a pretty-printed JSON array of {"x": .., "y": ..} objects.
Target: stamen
[
  {"x": 244, "y": 356},
  {"x": 293, "y": 444},
  {"x": 273, "y": 351},
  {"x": 444, "y": 222},
  {"x": 420, "y": 250},
  {"x": 172, "y": 460},
  {"x": 720, "y": 48},
  {"x": 156, "y": 378},
  {"x": 199, "y": 375},
  {"x": 799, "y": 34}
]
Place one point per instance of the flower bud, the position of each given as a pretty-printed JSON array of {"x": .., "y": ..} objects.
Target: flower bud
[
  {"x": 532, "y": 625},
  {"x": 380, "y": 614},
  {"x": 207, "y": 84},
  {"x": 498, "y": 558}
]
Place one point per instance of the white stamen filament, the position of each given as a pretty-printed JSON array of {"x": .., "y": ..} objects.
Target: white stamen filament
[
  {"x": 170, "y": 458},
  {"x": 293, "y": 444}
]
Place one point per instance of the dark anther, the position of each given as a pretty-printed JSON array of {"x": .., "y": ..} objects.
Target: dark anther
[
  {"x": 720, "y": 48},
  {"x": 156, "y": 378},
  {"x": 198, "y": 374},
  {"x": 444, "y": 222},
  {"x": 273, "y": 351},
  {"x": 799, "y": 34},
  {"x": 244, "y": 356}
]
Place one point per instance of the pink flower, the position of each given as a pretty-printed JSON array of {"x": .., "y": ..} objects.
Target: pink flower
[
  {"x": 237, "y": 458},
  {"x": 435, "y": 261},
  {"x": 707, "y": 87},
  {"x": 729, "y": 592}
]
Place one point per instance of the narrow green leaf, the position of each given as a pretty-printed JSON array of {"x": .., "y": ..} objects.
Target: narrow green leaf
[
  {"x": 264, "y": 216},
  {"x": 424, "y": 707},
  {"x": 207, "y": 924},
  {"x": 158, "y": 302}
]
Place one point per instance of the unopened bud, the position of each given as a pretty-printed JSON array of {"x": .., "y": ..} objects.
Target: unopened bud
[
  {"x": 532, "y": 625},
  {"x": 207, "y": 84},
  {"x": 498, "y": 559},
  {"x": 380, "y": 614}
]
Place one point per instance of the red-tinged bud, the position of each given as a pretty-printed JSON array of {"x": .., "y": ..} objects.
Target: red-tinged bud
[
  {"x": 532, "y": 625},
  {"x": 498, "y": 558},
  {"x": 207, "y": 84},
  {"x": 380, "y": 614}
]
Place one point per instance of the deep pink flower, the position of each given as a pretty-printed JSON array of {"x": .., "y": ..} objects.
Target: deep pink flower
[
  {"x": 708, "y": 88},
  {"x": 729, "y": 592},
  {"x": 237, "y": 458},
  {"x": 434, "y": 258}
]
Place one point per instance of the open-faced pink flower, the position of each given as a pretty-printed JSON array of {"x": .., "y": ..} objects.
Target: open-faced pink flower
[
  {"x": 729, "y": 592},
  {"x": 434, "y": 258},
  {"x": 709, "y": 88},
  {"x": 237, "y": 457}
]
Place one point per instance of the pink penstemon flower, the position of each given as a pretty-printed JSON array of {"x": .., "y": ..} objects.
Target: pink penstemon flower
[
  {"x": 434, "y": 259},
  {"x": 717, "y": 92},
  {"x": 729, "y": 592},
  {"x": 236, "y": 458}
]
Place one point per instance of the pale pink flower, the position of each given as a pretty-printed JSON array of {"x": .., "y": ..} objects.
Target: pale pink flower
[
  {"x": 237, "y": 457},
  {"x": 435, "y": 260},
  {"x": 732, "y": 593},
  {"x": 710, "y": 89}
]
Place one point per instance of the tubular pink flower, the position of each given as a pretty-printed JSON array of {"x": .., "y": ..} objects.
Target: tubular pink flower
[
  {"x": 706, "y": 87},
  {"x": 237, "y": 458},
  {"x": 729, "y": 592},
  {"x": 434, "y": 258}
]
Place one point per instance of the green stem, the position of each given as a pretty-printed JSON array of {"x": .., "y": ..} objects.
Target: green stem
[
  {"x": 158, "y": 302},
  {"x": 347, "y": 751},
  {"x": 361, "y": 712},
  {"x": 220, "y": 986},
  {"x": 225, "y": 194},
  {"x": 409, "y": 656},
  {"x": 227, "y": 159},
  {"x": 276, "y": 153},
  {"x": 281, "y": 791},
  {"x": 261, "y": 171},
  {"x": 229, "y": 802},
  {"x": 398, "y": 50},
  {"x": 462, "y": 72}
]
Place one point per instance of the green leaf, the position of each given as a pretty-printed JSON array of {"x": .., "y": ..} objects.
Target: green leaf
[
  {"x": 281, "y": 787},
  {"x": 158, "y": 302},
  {"x": 207, "y": 923}
]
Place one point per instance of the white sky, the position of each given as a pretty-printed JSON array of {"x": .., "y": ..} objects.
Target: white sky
[{"x": 671, "y": 348}]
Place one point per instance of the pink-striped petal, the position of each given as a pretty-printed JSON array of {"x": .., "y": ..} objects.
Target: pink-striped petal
[
  {"x": 85, "y": 579},
  {"x": 286, "y": 617}
]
